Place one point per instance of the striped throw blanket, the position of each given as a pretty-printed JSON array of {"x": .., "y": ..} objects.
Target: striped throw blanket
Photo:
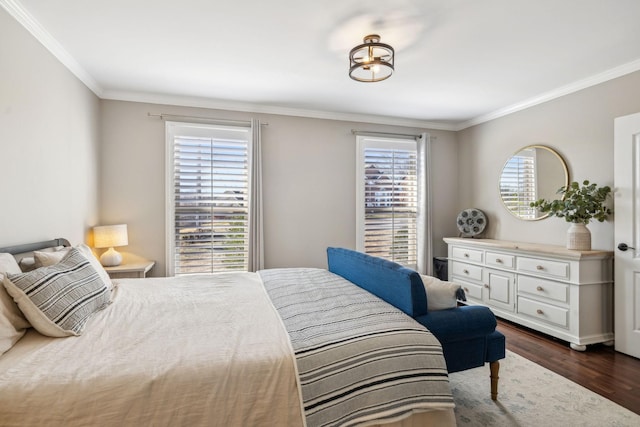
[{"x": 359, "y": 359}]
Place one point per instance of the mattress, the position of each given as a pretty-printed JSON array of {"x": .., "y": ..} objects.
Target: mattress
[
  {"x": 197, "y": 350},
  {"x": 193, "y": 350}
]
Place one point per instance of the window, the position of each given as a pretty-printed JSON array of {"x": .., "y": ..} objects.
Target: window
[
  {"x": 518, "y": 187},
  {"x": 387, "y": 192},
  {"x": 208, "y": 198}
]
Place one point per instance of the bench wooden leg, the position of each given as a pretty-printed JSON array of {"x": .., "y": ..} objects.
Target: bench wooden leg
[{"x": 494, "y": 367}]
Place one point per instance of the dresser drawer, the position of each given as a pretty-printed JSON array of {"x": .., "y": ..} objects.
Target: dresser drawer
[
  {"x": 549, "y": 313},
  {"x": 472, "y": 291},
  {"x": 466, "y": 254},
  {"x": 545, "y": 267},
  {"x": 495, "y": 259},
  {"x": 467, "y": 271},
  {"x": 557, "y": 292}
]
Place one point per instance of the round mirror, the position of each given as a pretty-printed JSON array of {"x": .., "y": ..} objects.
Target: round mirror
[{"x": 534, "y": 172}]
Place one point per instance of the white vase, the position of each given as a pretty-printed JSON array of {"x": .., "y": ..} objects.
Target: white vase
[{"x": 579, "y": 237}]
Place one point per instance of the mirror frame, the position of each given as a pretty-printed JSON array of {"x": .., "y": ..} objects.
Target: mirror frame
[{"x": 560, "y": 159}]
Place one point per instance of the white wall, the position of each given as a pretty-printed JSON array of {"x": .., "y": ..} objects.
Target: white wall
[
  {"x": 579, "y": 126},
  {"x": 308, "y": 175},
  {"x": 70, "y": 159},
  {"x": 48, "y": 144}
]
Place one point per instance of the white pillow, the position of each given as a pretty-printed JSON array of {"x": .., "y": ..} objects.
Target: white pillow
[
  {"x": 441, "y": 295},
  {"x": 47, "y": 258},
  {"x": 59, "y": 299},
  {"x": 8, "y": 264},
  {"x": 12, "y": 322},
  {"x": 27, "y": 263}
]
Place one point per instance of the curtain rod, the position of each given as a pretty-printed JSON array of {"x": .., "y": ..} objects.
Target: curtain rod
[
  {"x": 164, "y": 116},
  {"x": 400, "y": 135}
]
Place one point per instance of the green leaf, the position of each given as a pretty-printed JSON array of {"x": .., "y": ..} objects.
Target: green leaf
[{"x": 579, "y": 204}]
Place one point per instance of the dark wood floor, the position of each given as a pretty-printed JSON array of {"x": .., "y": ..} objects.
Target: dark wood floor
[{"x": 601, "y": 369}]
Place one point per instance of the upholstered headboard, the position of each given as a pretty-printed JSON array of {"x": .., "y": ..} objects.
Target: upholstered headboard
[{"x": 389, "y": 281}]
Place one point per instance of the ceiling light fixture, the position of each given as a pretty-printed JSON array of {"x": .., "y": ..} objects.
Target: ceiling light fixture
[{"x": 371, "y": 61}]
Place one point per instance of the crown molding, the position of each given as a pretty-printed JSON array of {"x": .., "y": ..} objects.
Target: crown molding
[
  {"x": 20, "y": 14},
  {"x": 611, "y": 74},
  {"x": 216, "y": 104}
]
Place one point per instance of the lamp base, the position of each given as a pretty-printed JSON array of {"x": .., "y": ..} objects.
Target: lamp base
[{"x": 110, "y": 258}]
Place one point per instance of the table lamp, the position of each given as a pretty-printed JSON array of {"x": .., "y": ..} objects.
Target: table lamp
[{"x": 110, "y": 236}]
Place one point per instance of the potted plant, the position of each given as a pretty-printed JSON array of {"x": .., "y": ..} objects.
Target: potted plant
[{"x": 578, "y": 205}]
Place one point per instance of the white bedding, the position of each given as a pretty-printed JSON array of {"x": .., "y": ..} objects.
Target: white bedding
[{"x": 179, "y": 351}]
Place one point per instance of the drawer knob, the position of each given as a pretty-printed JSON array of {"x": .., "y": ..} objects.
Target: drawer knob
[
  {"x": 539, "y": 267},
  {"x": 539, "y": 311},
  {"x": 466, "y": 290},
  {"x": 465, "y": 271},
  {"x": 466, "y": 255},
  {"x": 540, "y": 289},
  {"x": 498, "y": 260},
  {"x": 486, "y": 286}
]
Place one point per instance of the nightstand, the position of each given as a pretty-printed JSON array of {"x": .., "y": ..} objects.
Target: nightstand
[{"x": 131, "y": 270}]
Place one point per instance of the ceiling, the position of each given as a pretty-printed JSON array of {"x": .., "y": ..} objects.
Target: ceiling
[{"x": 458, "y": 62}]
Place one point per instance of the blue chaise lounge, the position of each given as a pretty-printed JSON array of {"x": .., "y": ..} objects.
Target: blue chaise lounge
[{"x": 468, "y": 333}]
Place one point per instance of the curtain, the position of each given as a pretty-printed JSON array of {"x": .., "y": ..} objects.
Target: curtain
[
  {"x": 256, "y": 229},
  {"x": 424, "y": 226}
]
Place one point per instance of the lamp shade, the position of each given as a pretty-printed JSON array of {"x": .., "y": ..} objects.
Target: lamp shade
[{"x": 109, "y": 236}]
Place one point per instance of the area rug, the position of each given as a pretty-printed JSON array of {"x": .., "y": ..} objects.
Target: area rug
[{"x": 531, "y": 395}]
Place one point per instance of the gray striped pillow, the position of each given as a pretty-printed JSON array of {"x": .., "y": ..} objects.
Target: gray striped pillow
[{"x": 59, "y": 299}]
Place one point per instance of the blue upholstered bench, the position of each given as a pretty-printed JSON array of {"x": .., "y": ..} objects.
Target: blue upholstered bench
[{"x": 467, "y": 334}]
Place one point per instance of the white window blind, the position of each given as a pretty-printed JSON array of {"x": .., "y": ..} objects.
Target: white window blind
[
  {"x": 388, "y": 199},
  {"x": 518, "y": 186},
  {"x": 209, "y": 194}
]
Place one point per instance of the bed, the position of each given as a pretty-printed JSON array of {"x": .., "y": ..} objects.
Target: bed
[{"x": 280, "y": 347}]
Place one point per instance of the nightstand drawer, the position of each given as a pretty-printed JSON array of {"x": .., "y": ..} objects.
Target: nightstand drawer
[
  {"x": 467, "y": 271},
  {"x": 539, "y": 310},
  {"x": 557, "y": 269},
  {"x": 137, "y": 270},
  {"x": 126, "y": 275},
  {"x": 466, "y": 254}
]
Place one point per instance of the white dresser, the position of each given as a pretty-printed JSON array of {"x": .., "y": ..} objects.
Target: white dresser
[{"x": 564, "y": 293}]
